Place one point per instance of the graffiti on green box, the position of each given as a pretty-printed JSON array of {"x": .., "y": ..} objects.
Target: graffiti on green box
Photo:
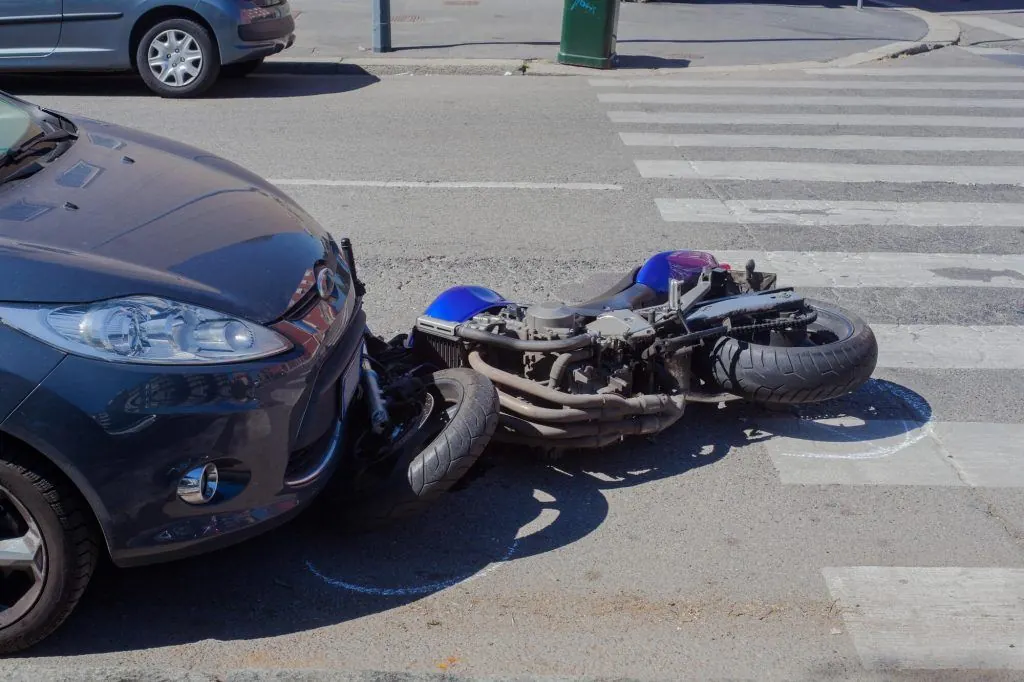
[{"x": 583, "y": 4}]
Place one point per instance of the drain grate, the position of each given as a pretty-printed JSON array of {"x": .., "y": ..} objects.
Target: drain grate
[{"x": 406, "y": 19}]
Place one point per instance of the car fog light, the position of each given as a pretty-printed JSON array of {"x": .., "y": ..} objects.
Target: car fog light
[{"x": 199, "y": 485}]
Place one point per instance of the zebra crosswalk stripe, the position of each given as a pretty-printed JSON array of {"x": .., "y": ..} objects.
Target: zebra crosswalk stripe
[
  {"x": 846, "y": 451},
  {"x": 838, "y": 213},
  {"x": 839, "y": 142},
  {"x": 897, "y": 270},
  {"x": 786, "y": 119},
  {"x": 830, "y": 172},
  {"x": 919, "y": 346},
  {"x": 696, "y": 84},
  {"x": 937, "y": 72},
  {"x": 930, "y": 618},
  {"x": 760, "y": 100}
]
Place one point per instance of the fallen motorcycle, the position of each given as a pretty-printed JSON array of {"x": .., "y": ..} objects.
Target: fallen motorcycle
[{"x": 681, "y": 328}]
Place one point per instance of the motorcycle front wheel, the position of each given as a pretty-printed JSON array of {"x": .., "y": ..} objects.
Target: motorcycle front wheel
[
  {"x": 833, "y": 356},
  {"x": 432, "y": 442}
]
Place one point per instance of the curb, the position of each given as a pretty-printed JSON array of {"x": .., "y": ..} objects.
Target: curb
[{"x": 942, "y": 32}]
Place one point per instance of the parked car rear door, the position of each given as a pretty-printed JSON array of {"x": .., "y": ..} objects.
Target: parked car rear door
[{"x": 29, "y": 28}]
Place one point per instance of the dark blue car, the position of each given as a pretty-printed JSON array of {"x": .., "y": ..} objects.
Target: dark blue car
[
  {"x": 178, "y": 48},
  {"x": 181, "y": 349}
]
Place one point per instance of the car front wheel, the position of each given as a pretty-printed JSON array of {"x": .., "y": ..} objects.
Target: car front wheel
[
  {"x": 48, "y": 550},
  {"x": 177, "y": 58}
]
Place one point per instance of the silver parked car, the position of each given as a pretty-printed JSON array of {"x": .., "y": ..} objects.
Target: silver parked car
[{"x": 179, "y": 50}]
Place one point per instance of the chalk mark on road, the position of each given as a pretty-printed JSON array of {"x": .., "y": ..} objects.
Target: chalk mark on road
[
  {"x": 914, "y": 430},
  {"x": 544, "y": 519}
]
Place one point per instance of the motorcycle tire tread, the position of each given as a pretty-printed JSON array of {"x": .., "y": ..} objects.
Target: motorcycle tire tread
[
  {"x": 795, "y": 375},
  {"x": 439, "y": 466}
]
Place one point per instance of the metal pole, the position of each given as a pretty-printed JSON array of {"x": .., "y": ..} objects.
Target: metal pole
[
  {"x": 860, "y": 4},
  {"x": 382, "y": 25}
]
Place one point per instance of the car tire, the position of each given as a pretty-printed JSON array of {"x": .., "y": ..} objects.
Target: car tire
[
  {"x": 57, "y": 532},
  {"x": 240, "y": 69},
  {"x": 179, "y": 34}
]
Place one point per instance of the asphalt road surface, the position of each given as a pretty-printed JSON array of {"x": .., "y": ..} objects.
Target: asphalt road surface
[{"x": 878, "y": 537}]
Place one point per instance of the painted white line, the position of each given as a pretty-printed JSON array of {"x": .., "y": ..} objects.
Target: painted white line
[
  {"x": 430, "y": 184},
  {"x": 916, "y": 346},
  {"x": 837, "y": 270},
  {"x": 937, "y": 72},
  {"x": 830, "y": 172},
  {"x": 969, "y": 86},
  {"x": 850, "y": 120},
  {"x": 835, "y": 213},
  {"x": 812, "y": 100},
  {"x": 993, "y": 25},
  {"x": 842, "y": 142},
  {"x": 932, "y": 618},
  {"x": 846, "y": 451}
]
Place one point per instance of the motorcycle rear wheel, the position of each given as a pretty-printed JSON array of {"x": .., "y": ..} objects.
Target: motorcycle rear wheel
[{"x": 835, "y": 357}]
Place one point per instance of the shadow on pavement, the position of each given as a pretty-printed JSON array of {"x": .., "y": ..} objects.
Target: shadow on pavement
[
  {"x": 257, "y": 86},
  {"x": 513, "y": 505}
]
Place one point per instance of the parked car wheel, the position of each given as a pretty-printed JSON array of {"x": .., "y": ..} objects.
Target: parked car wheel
[
  {"x": 177, "y": 58},
  {"x": 240, "y": 69},
  {"x": 48, "y": 551}
]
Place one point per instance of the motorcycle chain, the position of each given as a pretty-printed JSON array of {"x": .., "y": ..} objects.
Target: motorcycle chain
[{"x": 788, "y": 323}]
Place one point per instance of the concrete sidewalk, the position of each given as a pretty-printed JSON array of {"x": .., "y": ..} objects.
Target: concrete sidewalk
[{"x": 650, "y": 35}]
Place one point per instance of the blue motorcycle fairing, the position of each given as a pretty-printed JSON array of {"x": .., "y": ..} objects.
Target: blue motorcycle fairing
[{"x": 461, "y": 303}]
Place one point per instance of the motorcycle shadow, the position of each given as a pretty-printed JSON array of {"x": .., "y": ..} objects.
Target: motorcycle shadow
[{"x": 514, "y": 504}]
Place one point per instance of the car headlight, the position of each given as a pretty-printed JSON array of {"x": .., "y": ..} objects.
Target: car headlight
[{"x": 146, "y": 329}]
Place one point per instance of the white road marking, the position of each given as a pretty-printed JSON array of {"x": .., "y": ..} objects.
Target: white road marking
[
  {"x": 971, "y": 86},
  {"x": 769, "y": 119},
  {"x": 932, "y": 618},
  {"x": 846, "y": 451},
  {"x": 431, "y": 184},
  {"x": 936, "y": 72},
  {"x": 918, "y": 346},
  {"x": 836, "y": 213},
  {"x": 841, "y": 142},
  {"x": 993, "y": 25},
  {"x": 830, "y": 172},
  {"x": 812, "y": 100},
  {"x": 884, "y": 269}
]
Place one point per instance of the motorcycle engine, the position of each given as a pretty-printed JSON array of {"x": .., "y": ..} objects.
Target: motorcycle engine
[{"x": 612, "y": 364}]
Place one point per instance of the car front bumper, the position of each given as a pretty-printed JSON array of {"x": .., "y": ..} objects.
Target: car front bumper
[{"x": 126, "y": 434}]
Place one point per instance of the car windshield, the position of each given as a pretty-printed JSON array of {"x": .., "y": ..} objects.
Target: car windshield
[{"x": 16, "y": 126}]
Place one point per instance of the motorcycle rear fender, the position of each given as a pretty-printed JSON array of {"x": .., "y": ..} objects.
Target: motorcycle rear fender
[{"x": 459, "y": 304}]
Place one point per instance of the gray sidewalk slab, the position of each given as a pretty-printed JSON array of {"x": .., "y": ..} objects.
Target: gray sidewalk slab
[{"x": 650, "y": 35}]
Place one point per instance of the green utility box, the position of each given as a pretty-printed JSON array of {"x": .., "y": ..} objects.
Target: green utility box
[{"x": 588, "y": 33}]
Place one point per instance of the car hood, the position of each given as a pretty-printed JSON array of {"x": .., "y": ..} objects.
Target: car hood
[{"x": 123, "y": 212}]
